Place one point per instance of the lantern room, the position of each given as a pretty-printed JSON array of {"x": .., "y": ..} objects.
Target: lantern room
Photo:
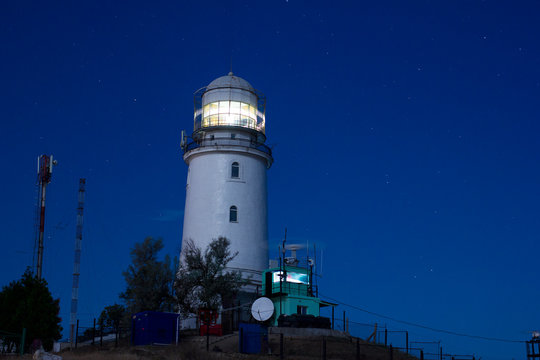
[{"x": 229, "y": 101}]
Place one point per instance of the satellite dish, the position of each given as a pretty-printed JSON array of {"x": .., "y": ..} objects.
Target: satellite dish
[
  {"x": 262, "y": 309},
  {"x": 294, "y": 247}
]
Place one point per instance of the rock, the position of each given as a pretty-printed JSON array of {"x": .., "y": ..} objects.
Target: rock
[{"x": 43, "y": 355}]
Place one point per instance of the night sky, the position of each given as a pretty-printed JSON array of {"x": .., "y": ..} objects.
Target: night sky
[{"x": 405, "y": 138}]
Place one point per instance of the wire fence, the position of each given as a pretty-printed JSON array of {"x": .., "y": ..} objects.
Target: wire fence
[{"x": 350, "y": 339}]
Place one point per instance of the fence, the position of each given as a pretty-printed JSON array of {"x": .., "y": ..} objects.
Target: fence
[
  {"x": 11, "y": 343},
  {"x": 98, "y": 335},
  {"x": 359, "y": 340}
]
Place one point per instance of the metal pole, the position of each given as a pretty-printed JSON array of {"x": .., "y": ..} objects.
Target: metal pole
[
  {"x": 357, "y": 349},
  {"x": 177, "y": 327},
  {"x": 324, "y": 348},
  {"x": 77, "y": 256},
  {"x": 94, "y": 333},
  {"x": 422, "y": 355},
  {"x": 391, "y": 352},
  {"x": 23, "y": 339},
  {"x": 241, "y": 342},
  {"x": 71, "y": 333},
  {"x": 207, "y": 335},
  {"x": 77, "y": 334},
  {"x": 41, "y": 231},
  {"x": 440, "y": 349},
  {"x": 238, "y": 315},
  {"x": 281, "y": 355},
  {"x": 343, "y": 320},
  {"x": 101, "y": 335},
  {"x": 385, "y": 337},
  {"x": 332, "y": 318},
  {"x": 407, "y": 341}
]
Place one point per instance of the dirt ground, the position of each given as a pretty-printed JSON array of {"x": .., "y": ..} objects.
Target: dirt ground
[{"x": 226, "y": 347}]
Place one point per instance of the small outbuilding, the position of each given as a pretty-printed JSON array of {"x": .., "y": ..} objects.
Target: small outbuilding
[{"x": 154, "y": 328}]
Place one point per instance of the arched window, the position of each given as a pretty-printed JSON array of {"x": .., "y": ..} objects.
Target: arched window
[
  {"x": 235, "y": 170},
  {"x": 233, "y": 214}
]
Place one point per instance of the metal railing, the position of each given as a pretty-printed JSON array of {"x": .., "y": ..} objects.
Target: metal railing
[{"x": 225, "y": 141}]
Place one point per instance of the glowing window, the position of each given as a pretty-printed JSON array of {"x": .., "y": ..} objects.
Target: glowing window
[
  {"x": 235, "y": 107},
  {"x": 233, "y": 214},
  {"x": 213, "y": 108},
  {"x": 235, "y": 170},
  {"x": 224, "y": 107},
  {"x": 232, "y": 113}
]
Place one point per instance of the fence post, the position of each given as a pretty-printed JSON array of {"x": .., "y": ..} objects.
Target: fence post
[
  {"x": 77, "y": 334},
  {"x": 357, "y": 349},
  {"x": 385, "y": 337},
  {"x": 391, "y": 352},
  {"x": 440, "y": 352},
  {"x": 407, "y": 341},
  {"x": 281, "y": 355},
  {"x": 332, "y": 318},
  {"x": 421, "y": 354},
  {"x": 23, "y": 338},
  {"x": 324, "y": 348},
  {"x": 343, "y": 320},
  {"x": 241, "y": 342},
  {"x": 101, "y": 335},
  {"x": 207, "y": 335},
  {"x": 94, "y": 333},
  {"x": 238, "y": 315}
]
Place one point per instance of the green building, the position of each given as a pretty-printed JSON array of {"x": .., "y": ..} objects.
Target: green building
[{"x": 292, "y": 291}]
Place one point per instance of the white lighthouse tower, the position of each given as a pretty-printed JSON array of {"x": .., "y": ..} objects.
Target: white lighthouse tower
[{"x": 226, "y": 181}]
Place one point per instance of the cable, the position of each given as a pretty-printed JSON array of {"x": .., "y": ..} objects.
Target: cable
[{"x": 424, "y": 326}]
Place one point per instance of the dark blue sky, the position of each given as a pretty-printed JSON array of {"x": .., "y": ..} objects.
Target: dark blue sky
[{"x": 405, "y": 139}]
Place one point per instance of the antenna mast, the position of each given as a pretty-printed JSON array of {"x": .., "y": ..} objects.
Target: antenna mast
[
  {"x": 77, "y": 261},
  {"x": 44, "y": 172}
]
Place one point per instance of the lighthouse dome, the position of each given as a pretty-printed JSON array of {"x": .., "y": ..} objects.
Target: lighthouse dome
[{"x": 230, "y": 81}]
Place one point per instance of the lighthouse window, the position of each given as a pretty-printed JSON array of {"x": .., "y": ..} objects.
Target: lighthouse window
[
  {"x": 232, "y": 113},
  {"x": 223, "y": 107},
  {"x": 235, "y": 170},
  {"x": 235, "y": 107},
  {"x": 233, "y": 214}
]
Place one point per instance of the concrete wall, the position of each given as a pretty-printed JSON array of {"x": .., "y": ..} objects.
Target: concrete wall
[{"x": 210, "y": 192}]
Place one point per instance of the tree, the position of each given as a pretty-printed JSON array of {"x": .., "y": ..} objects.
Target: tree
[
  {"x": 148, "y": 281},
  {"x": 28, "y": 303},
  {"x": 112, "y": 316},
  {"x": 202, "y": 279}
]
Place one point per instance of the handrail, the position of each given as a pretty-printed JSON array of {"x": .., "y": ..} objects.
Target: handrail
[{"x": 225, "y": 141}]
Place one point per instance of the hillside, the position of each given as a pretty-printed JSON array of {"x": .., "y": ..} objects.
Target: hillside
[{"x": 226, "y": 347}]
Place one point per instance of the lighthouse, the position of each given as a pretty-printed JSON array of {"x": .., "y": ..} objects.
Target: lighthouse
[{"x": 227, "y": 158}]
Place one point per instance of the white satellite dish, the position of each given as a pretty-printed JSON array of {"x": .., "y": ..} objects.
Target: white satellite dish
[{"x": 262, "y": 309}]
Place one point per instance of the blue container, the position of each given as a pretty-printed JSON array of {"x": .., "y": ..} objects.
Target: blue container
[
  {"x": 252, "y": 338},
  {"x": 152, "y": 327}
]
